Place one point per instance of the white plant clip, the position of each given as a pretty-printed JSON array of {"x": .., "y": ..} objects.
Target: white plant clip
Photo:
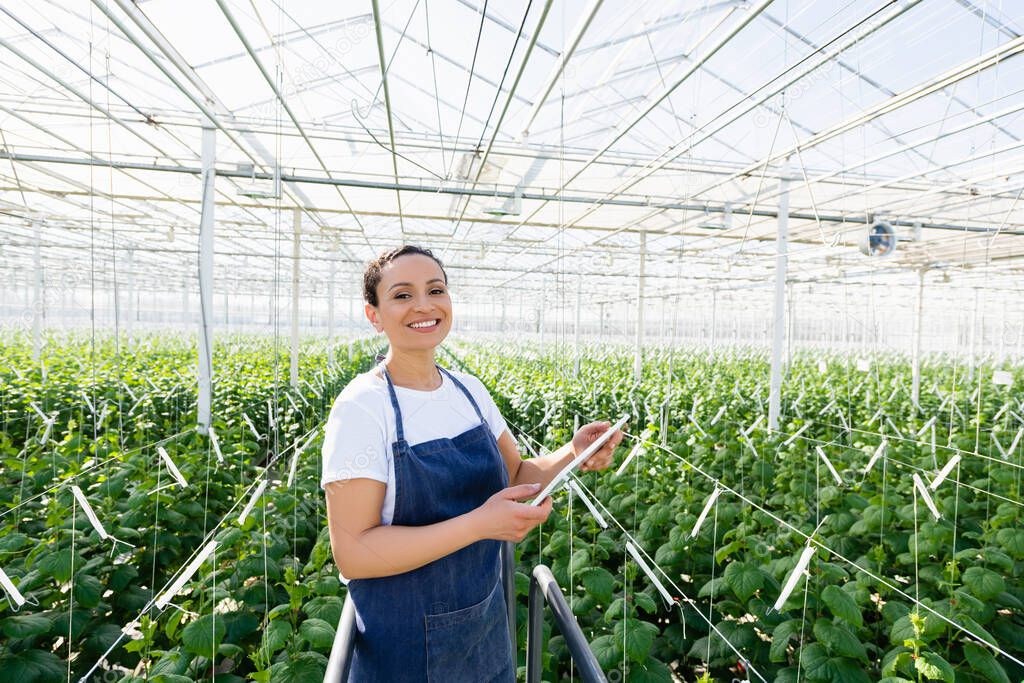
[
  {"x": 89, "y": 512},
  {"x": 271, "y": 420},
  {"x": 171, "y": 467},
  {"x": 828, "y": 406},
  {"x": 828, "y": 464},
  {"x": 718, "y": 416},
  {"x": 578, "y": 490},
  {"x": 215, "y": 442},
  {"x": 252, "y": 427},
  {"x": 794, "y": 577},
  {"x": 707, "y": 508},
  {"x": 879, "y": 452},
  {"x": 1013, "y": 445},
  {"x": 1000, "y": 412},
  {"x": 927, "y": 425},
  {"x": 129, "y": 390},
  {"x": 12, "y": 591},
  {"x": 697, "y": 425},
  {"x": 944, "y": 472},
  {"x": 894, "y": 427},
  {"x": 186, "y": 574},
  {"x": 751, "y": 428},
  {"x": 632, "y": 454},
  {"x": 46, "y": 432},
  {"x": 796, "y": 435},
  {"x": 650, "y": 574},
  {"x": 291, "y": 400},
  {"x": 85, "y": 396},
  {"x": 295, "y": 459},
  {"x": 39, "y": 412},
  {"x": 919, "y": 485},
  {"x": 252, "y": 501}
]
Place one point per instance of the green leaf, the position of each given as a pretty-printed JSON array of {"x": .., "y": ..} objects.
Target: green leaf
[
  {"x": 276, "y": 635},
  {"x": 303, "y": 667},
  {"x": 839, "y": 639},
  {"x": 842, "y": 605},
  {"x": 983, "y": 583},
  {"x": 608, "y": 650},
  {"x": 815, "y": 662},
  {"x": 934, "y": 668},
  {"x": 650, "y": 670},
  {"x": 599, "y": 583},
  {"x": 847, "y": 671},
  {"x": 327, "y": 607},
  {"x": 1012, "y": 541},
  {"x": 638, "y": 637},
  {"x": 744, "y": 579},
  {"x": 25, "y": 625},
  {"x": 645, "y": 602},
  {"x": 33, "y": 666},
  {"x": 780, "y": 639},
  {"x": 318, "y": 633},
  {"x": 88, "y": 590},
  {"x": 982, "y": 661},
  {"x": 579, "y": 561},
  {"x": 203, "y": 636},
  {"x": 57, "y": 564}
]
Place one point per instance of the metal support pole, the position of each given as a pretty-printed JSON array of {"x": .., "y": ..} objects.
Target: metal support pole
[
  {"x": 331, "y": 274},
  {"x": 779, "y": 324},
  {"x": 579, "y": 311},
  {"x": 915, "y": 381},
  {"x": 209, "y": 149},
  {"x": 638, "y": 352},
  {"x": 296, "y": 253},
  {"x": 543, "y": 587},
  {"x": 185, "y": 314},
  {"x": 132, "y": 307},
  {"x": 37, "y": 297},
  {"x": 714, "y": 317}
]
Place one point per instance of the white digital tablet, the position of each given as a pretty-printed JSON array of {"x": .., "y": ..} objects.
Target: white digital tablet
[{"x": 577, "y": 461}]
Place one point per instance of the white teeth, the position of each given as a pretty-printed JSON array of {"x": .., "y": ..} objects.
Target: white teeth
[{"x": 430, "y": 323}]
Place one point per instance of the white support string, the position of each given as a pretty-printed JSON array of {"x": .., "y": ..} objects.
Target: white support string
[
  {"x": 629, "y": 458},
  {"x": 252, "y": 427},
  {"x": 879, "y": 452}
]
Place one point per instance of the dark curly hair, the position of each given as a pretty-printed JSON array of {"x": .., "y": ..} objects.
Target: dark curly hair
[{"x": 371, "y": 276}]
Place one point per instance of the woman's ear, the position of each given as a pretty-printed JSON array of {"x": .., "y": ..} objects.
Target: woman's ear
[{"x": 371, "y": 315}]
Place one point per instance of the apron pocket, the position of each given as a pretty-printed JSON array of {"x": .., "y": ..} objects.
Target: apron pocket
[{"x": 470, "y": 644}]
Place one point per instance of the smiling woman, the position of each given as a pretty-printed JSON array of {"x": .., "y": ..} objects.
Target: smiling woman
[{"x": 423, "y": 480}]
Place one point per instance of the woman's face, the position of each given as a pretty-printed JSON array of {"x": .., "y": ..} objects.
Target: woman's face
[{"x": 413, "y": 306}]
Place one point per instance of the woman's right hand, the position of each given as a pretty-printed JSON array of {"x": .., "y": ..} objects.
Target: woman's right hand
[{"x": 503, "y": 519}]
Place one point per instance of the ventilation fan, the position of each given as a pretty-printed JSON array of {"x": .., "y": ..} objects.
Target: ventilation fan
[{"x": 878, "y": 240}]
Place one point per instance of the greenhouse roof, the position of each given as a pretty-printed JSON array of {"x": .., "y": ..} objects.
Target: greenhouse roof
[{"x": 523, "y": 141}]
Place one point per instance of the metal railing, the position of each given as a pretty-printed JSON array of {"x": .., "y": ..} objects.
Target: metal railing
[{"x": 543, "y": 587}]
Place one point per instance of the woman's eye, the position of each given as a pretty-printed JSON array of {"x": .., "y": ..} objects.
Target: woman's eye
[
  {"x": 437, "y": 291},
  {"x": 403, "y": 295}
]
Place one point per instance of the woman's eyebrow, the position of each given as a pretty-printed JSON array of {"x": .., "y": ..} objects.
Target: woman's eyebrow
[{"x": 409, "y": 284}]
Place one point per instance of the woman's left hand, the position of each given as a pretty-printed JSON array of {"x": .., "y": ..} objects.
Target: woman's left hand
[{"x": 586, "y": 436}]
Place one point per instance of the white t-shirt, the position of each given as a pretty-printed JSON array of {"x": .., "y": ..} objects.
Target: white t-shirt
[{"x": 361, "y": 427}]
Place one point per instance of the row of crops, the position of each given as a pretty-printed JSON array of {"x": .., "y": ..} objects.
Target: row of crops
[
  {"x": 262, "y": 607},
  {"x": 893, "y": 593}
]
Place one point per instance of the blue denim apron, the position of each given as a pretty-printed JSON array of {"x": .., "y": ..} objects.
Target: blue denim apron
[{"x": 447, "y": 620}]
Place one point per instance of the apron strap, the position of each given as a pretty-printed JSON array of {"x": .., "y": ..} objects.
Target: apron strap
[
  {"x": 466, "y": 392},
  {"x": 399, "y": 431}
]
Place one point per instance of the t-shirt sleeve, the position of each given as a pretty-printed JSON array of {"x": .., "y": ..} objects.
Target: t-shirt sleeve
[
  {"x": 354, "y": 444},
  {"x": 495, "y": 422}
]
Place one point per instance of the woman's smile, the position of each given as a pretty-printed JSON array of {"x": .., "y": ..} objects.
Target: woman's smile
[{"x": 425, "y": 326}]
